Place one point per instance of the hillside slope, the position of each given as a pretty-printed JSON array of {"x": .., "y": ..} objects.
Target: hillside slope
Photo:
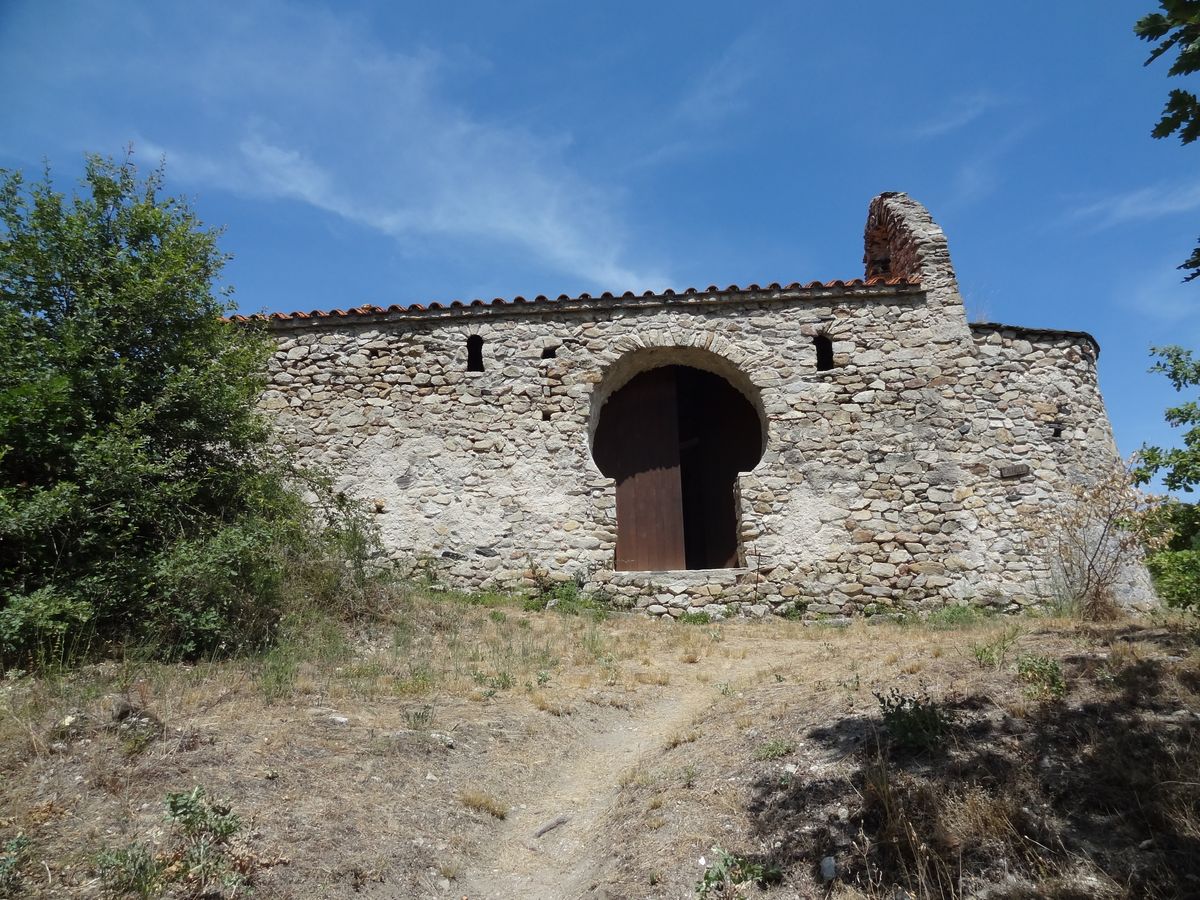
[{"x": 487, "y": 752}]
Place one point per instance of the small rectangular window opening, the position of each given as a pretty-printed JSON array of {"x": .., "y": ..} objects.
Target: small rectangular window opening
[
  {"x": 545, "y": 415},
  {"x": 474, "y": 353},
  {"x": 824, "y": 352},
  {"x": 549, "y": 352}
]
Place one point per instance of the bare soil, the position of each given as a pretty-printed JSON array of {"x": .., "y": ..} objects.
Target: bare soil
[{"x": 503, "y": 754}]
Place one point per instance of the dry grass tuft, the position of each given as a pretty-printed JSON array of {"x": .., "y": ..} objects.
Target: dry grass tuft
[
  {"x": 636, "y": 776},
  {"x": 975, "y": 816},
  {"x": 541, "y": 701},
  {"x": 483, "y": 802},
  {"x": 656, "y": 676},
  {"x": 450, "y": 869},
  {"x": 678, "y": 738}
]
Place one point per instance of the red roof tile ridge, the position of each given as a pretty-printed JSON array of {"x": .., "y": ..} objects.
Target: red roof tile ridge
[{"x": 368, "y": 309}]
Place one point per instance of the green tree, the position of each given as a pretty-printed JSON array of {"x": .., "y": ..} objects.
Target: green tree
[
  {"x": 1176, "y": 567},
  {"x": 1178, "y": 466},
  {"x": 1177, "y": 28},
  {"x": 140, "y": 497}
]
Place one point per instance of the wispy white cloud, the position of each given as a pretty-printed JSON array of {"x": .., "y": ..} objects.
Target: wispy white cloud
[
  {"x": 1142, "y": 204},
  {"x": 956, "y": 113},
  {"x": 719, "y": 87},
  {"x": 980, "y": 174},
  {"x": 1164, "y": 307},
  {"x": 308, "y": 107}
]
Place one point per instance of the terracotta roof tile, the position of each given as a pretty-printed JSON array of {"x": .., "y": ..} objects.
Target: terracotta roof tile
[{"x": 541, "y": 299}]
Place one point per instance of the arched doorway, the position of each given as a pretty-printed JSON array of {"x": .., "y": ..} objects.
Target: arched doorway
[{"x": 675, "y": 438}]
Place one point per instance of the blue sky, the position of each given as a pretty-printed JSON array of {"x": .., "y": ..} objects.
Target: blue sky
[{"x": 395, "y": 152}]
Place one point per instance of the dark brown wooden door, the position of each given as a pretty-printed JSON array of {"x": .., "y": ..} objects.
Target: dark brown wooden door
[
  {"x": 637, "y": 444},
  {"x": 674, "y": 439},
  {"x": 719, "y": 436}
]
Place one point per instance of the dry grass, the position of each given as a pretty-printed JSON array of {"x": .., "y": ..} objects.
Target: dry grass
[
  {"x": 637, "y": 776},
  {"x": 975, "y": 816},
  {"x": 340, "y": 748},
  {"x": 679, "y": 738},
  {"x": 483, "y": 802},
  {"x": 542, "y": 701},
  {"x": 652, "y": 677}
]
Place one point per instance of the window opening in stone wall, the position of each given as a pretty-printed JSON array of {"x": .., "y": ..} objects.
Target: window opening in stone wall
[
  {"x": 824, "y": 352},
  {"x": 674, "y": 439},
  {"x": 474, "y": 353},
  {"x": 549, "y": 352}
]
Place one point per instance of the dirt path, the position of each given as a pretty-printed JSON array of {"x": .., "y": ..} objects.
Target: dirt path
[{"x": 582, "y": 784}]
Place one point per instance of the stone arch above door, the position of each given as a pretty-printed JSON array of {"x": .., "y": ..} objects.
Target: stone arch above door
[{"x": 710, "y": 353}]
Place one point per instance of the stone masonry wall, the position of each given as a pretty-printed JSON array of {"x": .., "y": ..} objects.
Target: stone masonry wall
[{"x": 880, "y": 488}]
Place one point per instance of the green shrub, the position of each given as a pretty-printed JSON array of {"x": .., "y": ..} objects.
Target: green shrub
[
  {"x": 141, "y": 495},
  {"x": 913, "y": 721},
  {"x": 419, "y": 718},
  {"x": 950, "y": 617},
  {"x": 774, "y": 749},
  {"x": 567, "y": 599},
  {"x": 564, "y": 597},
  {"x": 42, "y": 622},
  {"x": 992, "y": 654},
  {"x": 1043, "y": 677},
  {"x": 486, "y": 599},
  {"x": 132, "y": 871},
  {"x": 730, "y": 871},
  {"x": 13, "y": 855},
  {"x": 1176, "y": 576},
  {"x": 196, "y": 854},
  {"x": 694, "y": 618},
  {"x": 796, "y": 611},
  {"x": 199, "y": 819}
]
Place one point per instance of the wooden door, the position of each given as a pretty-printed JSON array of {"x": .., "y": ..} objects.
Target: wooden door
[{"x": 638, "y": 445}]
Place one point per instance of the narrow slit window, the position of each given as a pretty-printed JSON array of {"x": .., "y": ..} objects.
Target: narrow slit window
[
  {"x": 824, "y": 352},
  {"x": 474, "y": 353},
  {"x": 549, "y": 352}
]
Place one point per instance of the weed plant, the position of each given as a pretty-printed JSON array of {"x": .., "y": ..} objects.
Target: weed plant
[
  {"x": 993, "y": 654},
  {"x": 11, "y": 859},
  {"x": 774, "y": 749},
  {"x": 728, "y": 871},
  {"x": 1043, "y": 677},
  {"x": 196, "y": 862},
  {"x": 949, "y": 618},
  {"x": 914, "y": 722}
]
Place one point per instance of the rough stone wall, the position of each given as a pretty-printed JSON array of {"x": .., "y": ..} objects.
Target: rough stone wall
[{"x": 880, "y": 488}]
